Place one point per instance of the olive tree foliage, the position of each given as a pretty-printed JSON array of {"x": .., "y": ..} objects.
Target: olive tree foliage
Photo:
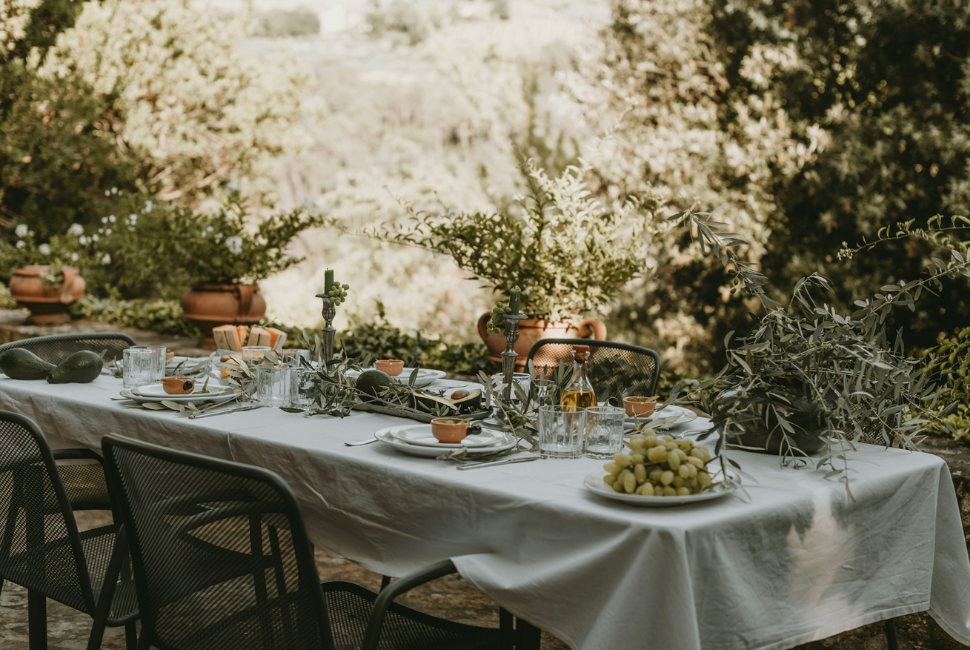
[{"x": 809, "y": 123}]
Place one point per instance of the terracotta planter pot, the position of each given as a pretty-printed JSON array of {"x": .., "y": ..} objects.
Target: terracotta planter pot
[
  {"x": 533, "y": 330},
  {"x": 47, "y": 306},
  {"x": 211, "y": 305}
]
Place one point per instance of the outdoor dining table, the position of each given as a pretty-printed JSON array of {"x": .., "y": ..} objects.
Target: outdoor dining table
[{"x": 791, "y": 561}]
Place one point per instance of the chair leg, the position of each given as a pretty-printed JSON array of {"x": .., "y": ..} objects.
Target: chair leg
[
  {"x": 131, "y": 636},
  {"x": 37, "y": 620},
  {"x": 891, "y": 634},
  {"x": 506, "y": 628},
  {"x": 528, "y": 636},
  {"x": 143, "y": 643},
  {"x": 385, "y": 580}
]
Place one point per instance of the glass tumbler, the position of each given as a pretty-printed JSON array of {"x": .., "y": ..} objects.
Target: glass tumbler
[
  {"x": 139, "y": 366},
  {"x": 561, "y": 431},
  {"x": 272, "y": 385},
  {"x": 302, "y": 383},
  {"x": 295, "y": 357},
  {"x": 604, "y": 431},
  {"x": 255, "y": 353},
  {"x": 498, "y": 385},
  {"x": 161, "y": 360}
]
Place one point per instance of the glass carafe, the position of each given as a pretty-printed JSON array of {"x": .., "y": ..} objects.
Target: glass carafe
[{"x": 580, "y": 393}]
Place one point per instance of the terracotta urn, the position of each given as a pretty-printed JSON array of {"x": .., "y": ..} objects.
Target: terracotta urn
[
  {"x": 533, "y": 330},
  {"x": 210, "y": 305},
  {"x": 47, "y": 305}
]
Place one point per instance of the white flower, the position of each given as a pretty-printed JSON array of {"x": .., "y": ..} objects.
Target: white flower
[
  {"x": 114, "y": 190},
  {"x": 108, "y": 231},
  {"x": 104, "y": 219},
  {"x": 76, "y": 229},
  {"x": 44, "y": 249},
  {"x": 21, "y": 230},
  {"x": 111, "y": 218},
  {"x": 234, "y": 244},
  {"x": 83, "y": 240},
  {"x": 148, "y": 206},
  {"x": 20, "y": 243},
  {"x": 74, "y": 257},
  {"x": 94, "y": 237},
  {"x": 106, "y": 260},
  {"x": 518, "y": 198},
  {"x": 132, "y": 218}
]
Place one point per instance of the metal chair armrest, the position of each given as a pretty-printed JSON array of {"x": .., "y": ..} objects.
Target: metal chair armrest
[{"x": 397, "y": 588}]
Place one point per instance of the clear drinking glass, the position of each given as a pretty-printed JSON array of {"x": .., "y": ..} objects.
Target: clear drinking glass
[
  {"x": 561, "y": 431},
  {"x": 139, "y": 366},
  {"x": 272, "y": 385},
  {"x": 254, "y": 353},
  {"x": 545, "y": 393},
  {"x": 293, "y": 356},
  {"x": 604, "y": 431},
  {"x": 160, "y": 362},
  {"x": 302, "y": 382},
  {"x": 498, "y": 384}
]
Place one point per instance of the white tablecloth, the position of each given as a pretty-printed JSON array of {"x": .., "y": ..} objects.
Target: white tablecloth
[{"x": 797, "y": 563}]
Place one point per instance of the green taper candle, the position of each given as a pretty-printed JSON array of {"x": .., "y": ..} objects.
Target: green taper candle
[
  {"x": 515, "y": 297},
  {"x": 328, "y": 281}
]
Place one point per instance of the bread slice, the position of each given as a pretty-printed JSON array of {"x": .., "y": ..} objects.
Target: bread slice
[
  {"x": 226, "y": 338},
  {"x": 259, "y": 336},
  {"x": 276, "y": 338},
  {"x": 242, "y": 333}
]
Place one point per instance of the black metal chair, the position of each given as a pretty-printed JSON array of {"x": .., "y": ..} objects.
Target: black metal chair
[
  {"x": 41, "y": 548},
  {"x": 615, "y": 369},
  {"x": 58, "y": 347},
  {"x": 222, "y": 560}
]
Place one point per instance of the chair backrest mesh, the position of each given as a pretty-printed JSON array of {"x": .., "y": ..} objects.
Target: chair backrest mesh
[
  {"x": 39, "y": 544},
  {"x": 221, "y": 556},
  {"x": 56, "y": 348},
  {"x": 615, "y": 369}
]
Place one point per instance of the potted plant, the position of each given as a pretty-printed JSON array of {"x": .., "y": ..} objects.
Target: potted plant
[
  {"x": 224, "y": 257},
  {"x": 43, "y": 277},
  {"x": 567, "y": 253},
  {"x": 809, "y": 379}
]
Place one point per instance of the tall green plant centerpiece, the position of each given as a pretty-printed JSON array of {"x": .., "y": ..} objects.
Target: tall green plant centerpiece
[{"x": 569, "y": 254}]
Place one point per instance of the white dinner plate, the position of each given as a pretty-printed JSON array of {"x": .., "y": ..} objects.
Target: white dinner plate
[
  {"x": 196, "y": 398},
  {"x": 665, "y": 418},
  {"x": 387, "y": 438},
  {"x": 425, "y": 377},
  {"x": 157, "y": 390},
  {"x": 594, "y": 483},
  {"x": 421, "y": 435}
]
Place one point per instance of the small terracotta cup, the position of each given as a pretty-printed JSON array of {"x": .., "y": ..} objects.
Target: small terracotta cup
[
  {"x": 639, "y": 407},
  {"x": 392, "y": 367},
  {"x": 178, "y": 385},
  {"x": 449, "y": 430},
  {"x": 169, "y": 355}
]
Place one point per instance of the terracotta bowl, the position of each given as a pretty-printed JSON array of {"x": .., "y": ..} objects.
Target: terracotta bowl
[
  {"x": 639, "y": 407},
  {"x": 178, "y": 385},
  {"x": 392, "y": 367},
  {"x": 449, "y": 430}
]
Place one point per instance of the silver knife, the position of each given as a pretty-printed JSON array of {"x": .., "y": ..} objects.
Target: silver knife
[
  {"x": 238, "y": 409},
  {"x": 504, "y": 461}
]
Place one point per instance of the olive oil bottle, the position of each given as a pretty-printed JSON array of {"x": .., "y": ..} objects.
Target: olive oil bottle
[{"x": 579, "y": 394}]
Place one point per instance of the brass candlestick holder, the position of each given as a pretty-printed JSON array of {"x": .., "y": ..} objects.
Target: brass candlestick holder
[
  {"x": 511, "y": 333},
  {"x": 327, "y": 332}
]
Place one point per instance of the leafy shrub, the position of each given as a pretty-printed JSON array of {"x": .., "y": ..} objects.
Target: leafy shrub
[
  {"x": 817, "y": 123},
  {"x": 162, "y": 316},
  {"x": 381, "y": 340}
]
